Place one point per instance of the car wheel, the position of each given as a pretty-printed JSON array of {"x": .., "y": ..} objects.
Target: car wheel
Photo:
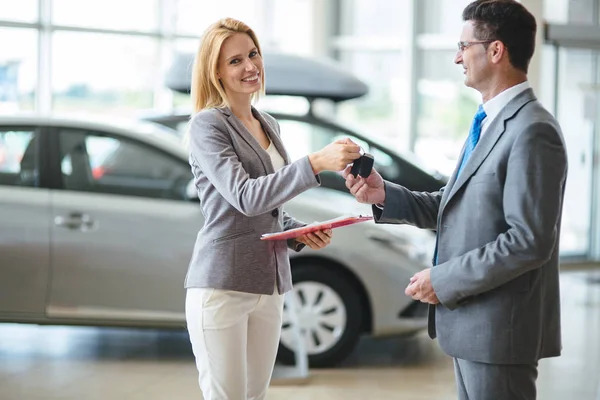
[{"x": 329, "y": 314}]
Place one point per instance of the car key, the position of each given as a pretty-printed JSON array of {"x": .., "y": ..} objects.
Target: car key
[
  {"x": 362, "y": 166},
  {"x": 366, "y": 165}
]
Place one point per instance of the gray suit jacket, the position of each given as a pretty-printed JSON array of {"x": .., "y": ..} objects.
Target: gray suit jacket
[
  {"x": 241, "y": 198},
  {"x": 498, "y": 230}
]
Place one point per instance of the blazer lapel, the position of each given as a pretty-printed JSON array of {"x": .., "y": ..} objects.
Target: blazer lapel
[
  {"x": 273, "y": 134},
  {"x": 239, "y": 128},
  {"x": 487, "y": 143},
  {"x": 451, "y": 182},
  {"x": 483, "y": 148}
]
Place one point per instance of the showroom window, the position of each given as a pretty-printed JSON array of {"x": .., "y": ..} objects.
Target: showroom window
[
  {"x": 444, "y": 105},
  {"x": 377, "y": 113},
  {"x": 441, "y": 17},
  {"x": 94, "y": 72},
  {"x": 19, "y": 11},
  {"x": 298, "y": 14},
  {"x": 374, "y": 43},
  {"x": 445, "y": 109},
  {"x": 194, "y": 16},
  {"x": 18, "y": 63},
  {"x": 577, "y": 12},
  {"x": 130, "y": 15},
  {"x": 378, "y": 18},
  {"x": 577, "y": 112},
  {"x": 111, "y": 56}
]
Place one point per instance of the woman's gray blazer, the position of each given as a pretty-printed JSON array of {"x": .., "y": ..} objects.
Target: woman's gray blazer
[{"x": 241, "y": 198}]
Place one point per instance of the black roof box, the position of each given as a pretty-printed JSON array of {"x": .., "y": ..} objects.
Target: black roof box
[{"x": 286, "y": 74}]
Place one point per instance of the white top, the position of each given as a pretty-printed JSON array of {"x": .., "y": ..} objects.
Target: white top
[
  {"x": 493, "y": 106},
  {"x": 276, "y": 158}
]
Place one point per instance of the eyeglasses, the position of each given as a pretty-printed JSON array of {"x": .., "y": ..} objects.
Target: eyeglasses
[{"x": 463, "y": 45}]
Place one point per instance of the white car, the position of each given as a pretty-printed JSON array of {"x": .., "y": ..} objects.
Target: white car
[{"x": 98, "y": 224}]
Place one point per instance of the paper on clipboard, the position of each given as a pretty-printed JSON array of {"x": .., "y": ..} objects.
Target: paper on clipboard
[{"x": 317, "y": 226}]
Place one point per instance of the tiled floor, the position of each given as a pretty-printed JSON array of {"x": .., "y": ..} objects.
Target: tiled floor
[{"x": 93, "y": 363}]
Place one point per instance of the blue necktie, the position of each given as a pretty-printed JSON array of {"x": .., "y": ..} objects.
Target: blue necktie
[{"x": 472, "y": 140}]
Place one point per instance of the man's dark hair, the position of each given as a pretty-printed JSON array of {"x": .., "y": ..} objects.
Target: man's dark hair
[{"x": 507, "y": 21}]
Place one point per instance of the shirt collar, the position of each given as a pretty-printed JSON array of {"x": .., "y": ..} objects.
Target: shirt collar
[{"x": 493, "y": 106}]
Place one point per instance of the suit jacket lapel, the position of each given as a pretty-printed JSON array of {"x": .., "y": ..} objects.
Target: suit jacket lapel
[
  {"x": 240, "y": 129},
  {"x": 273, "y": 134},
  {"x": 486, "y": 144},
  {"x": 450, "y": 184},
  {"x": 481, "y": 151}
]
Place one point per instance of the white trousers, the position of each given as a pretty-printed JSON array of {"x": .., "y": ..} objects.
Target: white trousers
[{"x": 234, "y": 337}]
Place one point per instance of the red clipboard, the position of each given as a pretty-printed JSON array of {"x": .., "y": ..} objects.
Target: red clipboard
[{"x": 317, "y": 226}]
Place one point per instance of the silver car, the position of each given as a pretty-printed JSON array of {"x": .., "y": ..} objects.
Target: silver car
[{"x": 98, "y": 223}]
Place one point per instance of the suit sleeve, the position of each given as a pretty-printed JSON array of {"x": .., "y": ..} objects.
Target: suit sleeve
[
  {"x": 532, "y": 202},
  {"x": 290, "y": 222},
  {"x": 212, "y": 150},
  {"x": 403, "y": 206}
]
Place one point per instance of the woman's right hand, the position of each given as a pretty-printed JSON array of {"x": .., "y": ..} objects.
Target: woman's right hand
[{"x": 335, "y": 156}]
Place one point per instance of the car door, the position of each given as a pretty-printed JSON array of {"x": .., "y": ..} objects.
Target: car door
[
  {"x": 123, "y": 230},
  {"x": 24, "y": 226}
]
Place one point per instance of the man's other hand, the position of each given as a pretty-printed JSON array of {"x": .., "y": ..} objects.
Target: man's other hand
[{"x": 420, "y": 288}]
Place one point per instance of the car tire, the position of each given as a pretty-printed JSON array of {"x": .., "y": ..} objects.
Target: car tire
[{"x": 329, "y": 310}]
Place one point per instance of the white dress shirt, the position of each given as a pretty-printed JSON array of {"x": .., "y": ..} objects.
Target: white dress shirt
[
  {"x": 276, "y": 159},
  {"x": 493, "y": 106}
]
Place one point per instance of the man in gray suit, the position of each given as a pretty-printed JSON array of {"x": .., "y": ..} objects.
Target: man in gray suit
[{"x": 494, "y": 288}]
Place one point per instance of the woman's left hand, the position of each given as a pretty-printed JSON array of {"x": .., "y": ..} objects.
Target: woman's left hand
[{"x": 316, "y": 240}]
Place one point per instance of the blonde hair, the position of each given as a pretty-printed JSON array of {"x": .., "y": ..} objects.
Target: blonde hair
[{"x": 206, "y": 89}]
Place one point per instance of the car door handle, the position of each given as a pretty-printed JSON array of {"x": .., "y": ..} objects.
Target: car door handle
[{"x": 75, "y": 221}]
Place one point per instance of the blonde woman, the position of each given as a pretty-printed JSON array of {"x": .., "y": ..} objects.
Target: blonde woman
[{"x": 235, "y": 281}]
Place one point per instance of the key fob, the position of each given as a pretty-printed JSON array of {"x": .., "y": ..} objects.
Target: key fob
[
  {"x": 356, "y": 167},
  {"x": 362, "y": 166},
  {"x": 366, "y": 165}
]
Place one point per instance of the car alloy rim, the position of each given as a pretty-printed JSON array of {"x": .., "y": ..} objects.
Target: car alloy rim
[{"x": 320, "y": 313}]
